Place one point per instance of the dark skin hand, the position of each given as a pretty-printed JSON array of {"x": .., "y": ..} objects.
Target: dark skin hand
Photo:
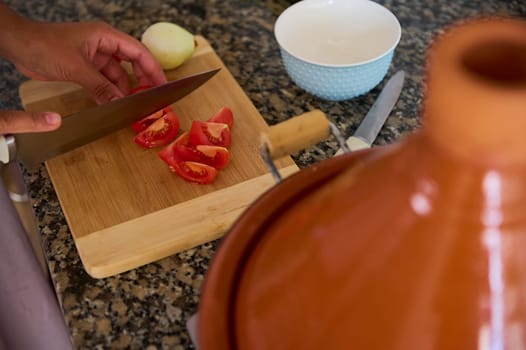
[{"x": 84, "y": 53}]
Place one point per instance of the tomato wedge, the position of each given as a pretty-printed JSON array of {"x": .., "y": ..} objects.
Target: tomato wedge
[
  {"x": 210, "y": 133},
  {"x": 224, "y": 115},
  {"x": 215, "y": 156},
  {"x": 182, "y": 140},
  {"x": 161, "y": 132},
  {"x": 197, "y": 155},
  {"x": 190, "y": 171},
  {"x": 145, "y": 122},
  {"x": 139, "y": 88}
]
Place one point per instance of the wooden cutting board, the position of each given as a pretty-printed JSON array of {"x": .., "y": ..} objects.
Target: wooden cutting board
[{"x": 123, "y": 205}]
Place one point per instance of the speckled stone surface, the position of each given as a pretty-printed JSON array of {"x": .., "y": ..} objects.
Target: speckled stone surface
[{"x": 147, "y": 308}]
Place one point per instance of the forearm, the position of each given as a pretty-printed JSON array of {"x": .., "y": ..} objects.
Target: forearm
[{"x": 13, "y": 32}]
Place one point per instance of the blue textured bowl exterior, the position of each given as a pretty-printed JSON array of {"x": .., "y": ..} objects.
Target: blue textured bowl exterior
[{"x": 336, "y": 83}]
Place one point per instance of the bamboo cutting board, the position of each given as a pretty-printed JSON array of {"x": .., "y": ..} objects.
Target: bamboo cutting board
[{"x": 123, "y": 205}]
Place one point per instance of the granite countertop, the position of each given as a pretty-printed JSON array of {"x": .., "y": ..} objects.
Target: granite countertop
[{"x": 147, "y": 308}]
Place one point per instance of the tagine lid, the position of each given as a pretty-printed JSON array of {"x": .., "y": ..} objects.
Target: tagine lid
[{"x": 382, "y": 251}]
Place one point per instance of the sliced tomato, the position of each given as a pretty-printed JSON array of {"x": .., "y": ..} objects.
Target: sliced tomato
[
  {"x": 194, "y": 172},
  {"x": 190, "y": 171},
  {"x": 139, "y": 88},
  {"x": 224, "y": 115},
  {"x": 181, "y": 140},
  {"x": 198, "y": 155},
  {"x": 209, "y": 133},
  {"x": 145, "y": 122},
  {"x": 215, "y": 156},
  {"x": 160, "y": 132}
]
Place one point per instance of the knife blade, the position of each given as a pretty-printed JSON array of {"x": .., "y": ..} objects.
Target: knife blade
[
  {"x": 90, "y": 124},
  {"x": 375, "y": 118}
]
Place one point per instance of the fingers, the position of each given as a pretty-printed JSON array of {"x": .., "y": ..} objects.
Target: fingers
[
  {"x": 13, "y": 122},
  {"x": 147, "y": 70},
  {"x": 86, "y": 57},
  {"x": 144, "y": 78},
  {"x": 107, "y": 79},
  {"x": 145, "y": 67},
  {"x": 101, "y": 88},
  {"x": 117, "y": 75}
]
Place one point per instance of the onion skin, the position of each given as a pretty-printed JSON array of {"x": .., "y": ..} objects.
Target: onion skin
[{"x": 169, "y": 43}]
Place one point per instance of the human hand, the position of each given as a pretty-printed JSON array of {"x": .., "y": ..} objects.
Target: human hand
[
  {"x": 13, "y": 122},
  {"x": 85, "y": 53}
]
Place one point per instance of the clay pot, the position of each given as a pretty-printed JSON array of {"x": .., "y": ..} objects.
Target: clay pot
[{"x": 416, "y": 245}]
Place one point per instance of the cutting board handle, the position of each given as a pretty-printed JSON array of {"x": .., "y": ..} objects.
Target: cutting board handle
[{"x": 295, "y": 134}]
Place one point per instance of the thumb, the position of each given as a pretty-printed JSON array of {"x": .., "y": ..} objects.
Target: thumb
[
  {"x": 99, "y": 87},
  {"x": 13, "y": 122}
]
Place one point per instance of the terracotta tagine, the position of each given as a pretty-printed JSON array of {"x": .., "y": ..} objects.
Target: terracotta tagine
[{"x": 413, "y": 246}]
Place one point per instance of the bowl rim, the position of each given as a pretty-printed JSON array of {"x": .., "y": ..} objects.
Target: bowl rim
[{"x": 338, "y": 65}]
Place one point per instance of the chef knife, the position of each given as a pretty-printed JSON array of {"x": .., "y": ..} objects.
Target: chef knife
[
  {"x": 375, "y": 118},
  {"x": 90, "y": 124}
]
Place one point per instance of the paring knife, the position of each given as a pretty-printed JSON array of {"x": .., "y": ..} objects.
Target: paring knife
[
  {"x": 375, "y": 118},
  {"x": 90, "y": 124}
]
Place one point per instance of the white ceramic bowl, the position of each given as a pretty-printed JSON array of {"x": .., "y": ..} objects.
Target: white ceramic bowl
[{"x": 337, "y": 49}]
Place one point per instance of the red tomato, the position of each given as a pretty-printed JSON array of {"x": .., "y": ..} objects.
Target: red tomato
[
  {"x": 181, "y": 140},
  {"x": 197, "y": 155},
  {"x": 145, "y": 122},
  {"x": 160, "y": 132},
  {"x": 139, "y": 88},
  {"x": 215, "y": 156},
  {"x": 209, "y": 133},
  {"x": 224, "y": 115},
  {"x": 190, "y": 171}
]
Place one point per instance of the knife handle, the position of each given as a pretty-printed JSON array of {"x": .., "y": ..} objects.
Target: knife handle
[
  {"x": 354, "y": 143},
  {"x": 296, "y": 134},
  {"x": 4, "y": 149}
]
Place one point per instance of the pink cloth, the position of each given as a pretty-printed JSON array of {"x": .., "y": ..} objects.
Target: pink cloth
[{"x": 30, "y": 317}]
